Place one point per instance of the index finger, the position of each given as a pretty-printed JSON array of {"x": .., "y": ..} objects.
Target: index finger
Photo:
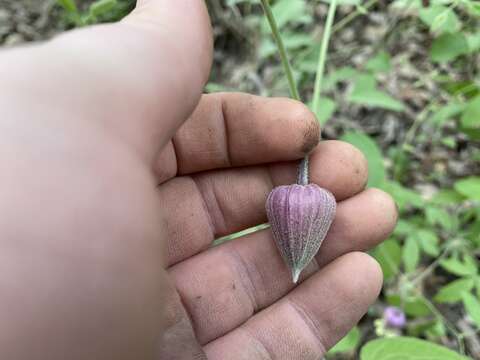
[{"x": 236, "y": 129}]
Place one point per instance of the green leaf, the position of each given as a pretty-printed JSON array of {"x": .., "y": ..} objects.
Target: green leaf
[
  {"x": 472, "y": 307},
  {"x": 457, "y": 267},
  {"x": 213, "y": 87},
  {"x": 341, "y": 74},
  {"x": 291, "y": 41},
  {"x": 68, "y": 5},
  {"x": 471, "y": 115},
  {"x": 379, "y": 63},
  {"x": 469, "y": 187},
  {"x": 101, "y": 7},
  {"x": 446, "y": 113},
  {"x": 477, "y": 285},
  {"x": 365, "y": 93},
  {"x": 344, "y": 2},
  {"x": 376, "y": 168},
  {"x": 473, "y": 8},
  {"x": 413, "y": 306},
  {"x": 403, "y": 196},
  {"x": 406, "y": 348},
  {"x": 447, "y": 197},
  {"x": 440, "y": 19},
  {"x": 286, "y": 11},
  {"x": 411, "y": 254},
  {"x": 389, "y": 255},
  {"x": 348, "y": 343},
  {"x": 405, "y": 228},
  {"x": 439, "y": 216},
  {"x": 326, "y": 109},
  {"x": 448, "y": 47},
  {"x": 428, "y": 241},
  {"x": 452, "y": 292},
  {"x": 473, "y": 41}
]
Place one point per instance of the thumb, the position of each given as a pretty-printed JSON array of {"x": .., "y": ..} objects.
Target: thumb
[{"x": 142, "y": 77}]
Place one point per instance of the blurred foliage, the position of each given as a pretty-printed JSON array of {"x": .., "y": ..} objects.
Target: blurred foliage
[
  {"x": 96, "y": 12},
  {"x": 431, "y": 261}
]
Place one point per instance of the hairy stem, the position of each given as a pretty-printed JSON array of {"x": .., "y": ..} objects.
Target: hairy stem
[
  {"x": 281, "y": 49},
  {"x": 323, "y": 54}
]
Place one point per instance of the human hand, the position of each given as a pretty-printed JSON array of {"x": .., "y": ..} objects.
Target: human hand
[{"x": 111, "y": 194}]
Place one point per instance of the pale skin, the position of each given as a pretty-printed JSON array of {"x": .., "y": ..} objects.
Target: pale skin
[{"x": 117, "y": 175}]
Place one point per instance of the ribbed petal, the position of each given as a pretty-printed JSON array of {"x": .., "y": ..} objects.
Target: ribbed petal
[{"x": 300, "y": 216}]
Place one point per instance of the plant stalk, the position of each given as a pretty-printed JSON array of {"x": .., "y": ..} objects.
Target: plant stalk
[
  {"x": 323, "y": 55},
  {"x": 281, "y": 49},
  {"x": 303, "y": 178}
]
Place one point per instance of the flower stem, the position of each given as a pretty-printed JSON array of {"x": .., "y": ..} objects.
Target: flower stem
[
  {"x": 303, "y": 178},
  {"x": 303, "y": 167},
  {"x": 323, "y": 55},
  {"x": 281, "y": 49}
]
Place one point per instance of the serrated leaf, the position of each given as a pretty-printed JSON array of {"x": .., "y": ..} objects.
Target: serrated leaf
[
  {"x": 365, "y": 93},
  {"x": 410, "y": 254},
  {"x": 469, "y": 187},
  {"x": 472, "y": 307},
  {"x": 348, "y": 343},
  {"x": 448, "y": 47},
  {"x": 471, "y": 115},
  {"x": 376, "y": 168},
  {"x": 452, "y": 292},
  {"x": 406, "y": 348}
]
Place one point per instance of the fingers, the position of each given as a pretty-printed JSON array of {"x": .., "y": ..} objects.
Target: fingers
[
  {"x": 134, "y": 77},
  {"x": 222, "y": 202},
  {"x": 248, "y": 274},
  {"x": 308, "y": 321},
  {"x": 235, "y": 129}
]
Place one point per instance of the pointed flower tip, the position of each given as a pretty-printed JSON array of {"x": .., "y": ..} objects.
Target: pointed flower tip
[
  {"x": 295, "y": 275},
  {"x": 300, "y": 217}
]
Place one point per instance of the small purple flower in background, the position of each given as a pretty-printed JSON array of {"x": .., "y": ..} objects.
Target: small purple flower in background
[{"x": 394, "y": 317}]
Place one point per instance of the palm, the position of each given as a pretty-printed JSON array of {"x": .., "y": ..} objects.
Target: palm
[{"x": 237, "y": 300}]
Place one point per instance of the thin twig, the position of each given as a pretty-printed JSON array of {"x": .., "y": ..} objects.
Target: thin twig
[
  {"x": 430, "y": 268},
  {"x": 352, "y": 16},
  {"x": 451, "y": 327}
]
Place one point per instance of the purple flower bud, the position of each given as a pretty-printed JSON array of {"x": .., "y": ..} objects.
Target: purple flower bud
[
  {"x": 300, "y": 216},
  {"x": 394, "y": 317}
]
